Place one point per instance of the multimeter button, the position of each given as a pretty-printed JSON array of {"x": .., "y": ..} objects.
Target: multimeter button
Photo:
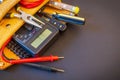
[
  {"x": 47, "y": 19},
  {"x": 27, "y": 55},
  {"x": 36, "y": 28},
  {"x": 25, "y": 36},
  {"x": 52, "y": 21},
  {"x": 24, "y": 55},
  {"x": 11, "y": 42},
  {"x": 30, "y": 34},
  {"x": 55, "y": 23},
  {"x": 16, "y": 48},
  {"x": 9, "y": 45},
  {"x": 20, "y": 36},
  {"x": 19, "y": 50},
  {"x": 20, "y": 56},
  {"x": 16, "y": 35},
  {"x": 28, "y": 27},
  {"x": 33, "y": 31},
  {"x": 62, "y": 27},
  {"x": 12, "y": 46}
]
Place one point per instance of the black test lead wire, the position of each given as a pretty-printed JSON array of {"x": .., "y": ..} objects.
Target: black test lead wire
[{"x": 43, "y": 67}]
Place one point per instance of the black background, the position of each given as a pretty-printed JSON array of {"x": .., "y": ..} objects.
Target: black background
[{"x": 92, "y": 51}]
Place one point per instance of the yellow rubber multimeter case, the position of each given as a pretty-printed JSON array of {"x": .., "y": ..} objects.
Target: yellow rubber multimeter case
[{"x": 9, "y": 26}]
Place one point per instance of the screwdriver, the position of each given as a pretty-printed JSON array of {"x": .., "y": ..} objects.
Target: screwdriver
[
  {"x": 37, "y": 59},
  {"x": 44, "y": 67},
  {"x": 64, "y": 6},
  {"x": 69, "y": 19}
]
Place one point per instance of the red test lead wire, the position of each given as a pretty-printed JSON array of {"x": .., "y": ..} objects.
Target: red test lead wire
[
  {"x": 38, "y": 59},
  {"x": 30, "y": 4},
  {"x": 2, "y": 48},
  {"x": 18, "y": 61}
]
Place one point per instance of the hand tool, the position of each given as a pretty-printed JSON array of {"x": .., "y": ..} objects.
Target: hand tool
[
  {"x": 69, "y": 19},
  {"x": 26, "y": 17},
  {"x": 61, "y": 26},
  {"x": 64, "y": 6},
  {"x": 50, "y": 10}
]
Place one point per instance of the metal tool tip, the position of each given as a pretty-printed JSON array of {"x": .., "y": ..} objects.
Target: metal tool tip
[
  {"x": 61, "y": 57},
  {"x": 60, "y": 70}
]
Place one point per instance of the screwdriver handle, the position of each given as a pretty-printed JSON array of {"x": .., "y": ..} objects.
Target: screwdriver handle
[
  {"x": 70, "y": 19},
  {"x": 9, "y": 15},
  {"x": 17, "y": 7},
  {"x": 60, "y": 5}
]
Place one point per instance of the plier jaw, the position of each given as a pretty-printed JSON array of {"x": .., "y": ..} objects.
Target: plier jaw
[
  {"x": 30, "y": 19},
  {"x": 26, "y": 17}
]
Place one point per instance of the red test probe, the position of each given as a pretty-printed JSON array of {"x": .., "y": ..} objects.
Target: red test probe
[{"x": 38, "y": 59}]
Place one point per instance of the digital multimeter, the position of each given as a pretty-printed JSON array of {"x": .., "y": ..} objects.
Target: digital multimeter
[{"x": 34, "y": 39}]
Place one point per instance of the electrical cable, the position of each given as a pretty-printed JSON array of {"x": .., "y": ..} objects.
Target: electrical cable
[
  {"x": 18, "y": 61},
  {"x": 28, "y": 4},
  {"x": 1, "y": 50},
  {"x": 14, "y": 61}
]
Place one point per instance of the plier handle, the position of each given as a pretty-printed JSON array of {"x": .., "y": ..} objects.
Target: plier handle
[{"x": 26, "y": 17}]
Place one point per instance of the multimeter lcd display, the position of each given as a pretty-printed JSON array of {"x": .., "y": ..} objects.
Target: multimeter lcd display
[{"x": 41, "y": 38}]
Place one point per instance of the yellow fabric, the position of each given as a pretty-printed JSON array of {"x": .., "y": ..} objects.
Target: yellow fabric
[
  {"x": 8, "y": 54},
  {"x": 5, "y": 6}
]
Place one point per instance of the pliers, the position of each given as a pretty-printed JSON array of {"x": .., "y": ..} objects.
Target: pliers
[{"x": 26, "y": 17}]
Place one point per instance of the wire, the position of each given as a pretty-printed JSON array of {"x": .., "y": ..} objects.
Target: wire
[
  {"x": 1, "y": 51},
  {"x": 28, "y": 4},
  {"x": 16, "y": 61}
]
